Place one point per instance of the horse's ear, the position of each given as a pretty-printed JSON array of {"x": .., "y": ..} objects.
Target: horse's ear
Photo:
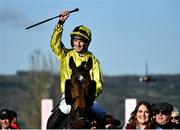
[
  {"x": 72, "y": 65},
  {"x": 68, "y": 97},
  {"x": 91, "y": 93},
  {"x": 89, "y": 64}
]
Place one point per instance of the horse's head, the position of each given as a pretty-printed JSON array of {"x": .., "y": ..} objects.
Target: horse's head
[{"x": 80, "y": 89}]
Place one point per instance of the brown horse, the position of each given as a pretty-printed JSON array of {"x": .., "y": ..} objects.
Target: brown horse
[{"x": 80, "y": 94}]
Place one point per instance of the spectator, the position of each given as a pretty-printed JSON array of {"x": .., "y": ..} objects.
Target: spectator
[
  {"x": 14, "y": 123},
  {"x": 5, "y": 119},
  {"x": 140, "y": 117},
  {"x": 175, "y": 117},
  {"x": 163, "y": 116}
]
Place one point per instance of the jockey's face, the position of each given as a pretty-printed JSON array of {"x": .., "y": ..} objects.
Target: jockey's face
[{"x": 79, "y": 45}]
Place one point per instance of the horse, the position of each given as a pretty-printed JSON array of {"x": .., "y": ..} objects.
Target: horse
[{"x": 80, "y": 93}]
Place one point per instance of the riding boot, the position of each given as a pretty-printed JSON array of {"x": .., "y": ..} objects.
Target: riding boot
[{"x": 57, "y": 120}]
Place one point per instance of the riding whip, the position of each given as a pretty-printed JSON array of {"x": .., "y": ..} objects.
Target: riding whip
[{"x": 74, "y": 10}]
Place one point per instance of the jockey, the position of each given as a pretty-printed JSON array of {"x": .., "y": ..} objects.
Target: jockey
[{"x": 80, "y": 40}]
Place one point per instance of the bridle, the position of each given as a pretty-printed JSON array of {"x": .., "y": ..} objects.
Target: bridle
[
  {"x": 80, "y": 93},
  {"x": 74, "y": 99}
]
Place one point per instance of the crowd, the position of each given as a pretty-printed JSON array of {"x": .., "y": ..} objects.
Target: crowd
[
  {"x": 145, "y": 116},
  {"x": 157, "y": 116}
]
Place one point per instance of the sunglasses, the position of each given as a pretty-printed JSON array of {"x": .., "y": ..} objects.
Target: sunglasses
[
  {"x": 162, "y": 112},
  {"x": 175, "y": 117},
  {"x": 3, "y": 118}
]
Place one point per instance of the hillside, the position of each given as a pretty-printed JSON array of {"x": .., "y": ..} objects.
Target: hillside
[{"x": 24, "y": 91}]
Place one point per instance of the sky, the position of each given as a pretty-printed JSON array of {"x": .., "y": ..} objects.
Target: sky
[{"x": 126, "y": 34}]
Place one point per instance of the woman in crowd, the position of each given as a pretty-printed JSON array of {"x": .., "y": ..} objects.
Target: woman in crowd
[{"x": 140, "y": 117}]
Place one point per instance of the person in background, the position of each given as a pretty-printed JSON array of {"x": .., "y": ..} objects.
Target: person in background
[
  {"x": 175, "y": 117},
  {"x": 80, "y": 41},
  {"x": 140, "y": 117},
  {"x": 163, "y": 116},
  {"x": 14, "y": 123},
  {"x": 5, "y": 119}
]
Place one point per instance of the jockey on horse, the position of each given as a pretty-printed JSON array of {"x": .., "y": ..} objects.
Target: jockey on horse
[{"x": 80, "y": 41}]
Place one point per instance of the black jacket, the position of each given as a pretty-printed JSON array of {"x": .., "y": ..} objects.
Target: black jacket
[{"x": 169, "y": 125}]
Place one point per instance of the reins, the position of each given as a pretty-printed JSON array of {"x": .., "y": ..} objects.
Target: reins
[{"x": 57, "y": 105}]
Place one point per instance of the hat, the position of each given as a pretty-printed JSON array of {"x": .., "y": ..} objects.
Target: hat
[
  {"x": 5, "y": 114},
  {"x": 13, "y": 113},
  {"x": 165, "y": 107}
]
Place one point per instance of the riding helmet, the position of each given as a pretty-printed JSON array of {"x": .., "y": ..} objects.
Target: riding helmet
[{"x": 81, "y": 32}]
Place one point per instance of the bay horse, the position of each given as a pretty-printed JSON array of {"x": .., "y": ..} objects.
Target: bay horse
[{"x": 80, "y": 94}]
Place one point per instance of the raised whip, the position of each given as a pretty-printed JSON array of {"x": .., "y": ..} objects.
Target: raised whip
[{"x": 74, "y": 10}]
